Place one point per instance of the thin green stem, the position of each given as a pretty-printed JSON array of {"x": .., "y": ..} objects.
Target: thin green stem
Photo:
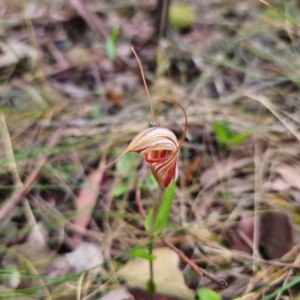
[{"x": 157, "y": 202}]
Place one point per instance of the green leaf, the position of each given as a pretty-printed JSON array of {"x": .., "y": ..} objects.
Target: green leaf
[
  {"x": 225, "y": 136},
  {"x": 223, "y": 132},
  {"x": 142, "y": 253},
  {"x": 239, "y": 138},
  {"x": 120, "y": 190},
  {"x": 163, "y": 212},
  {"x": 111, "y": 48},
  {"x": 208, "y": 294},
  {"x": 111, "y": 43},
  {"x": 114, "y": 33}
]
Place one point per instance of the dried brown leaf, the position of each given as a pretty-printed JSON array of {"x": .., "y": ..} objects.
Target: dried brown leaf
[
  {"x": 290, "y": 174},
  {"x": 85, "y": 256},
  {"x": 86, "y": 201},
  {"x": 276, "y": 234},
  {"x": 277, "y": 185},
  {"x": 11, "y": 52},
  {"x": 169, "y": 279}
]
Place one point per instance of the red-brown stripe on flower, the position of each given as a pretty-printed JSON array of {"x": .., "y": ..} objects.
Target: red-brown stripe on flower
[
  {"x": 161, "y": 149},
  {"x": 158, "y": 145}
]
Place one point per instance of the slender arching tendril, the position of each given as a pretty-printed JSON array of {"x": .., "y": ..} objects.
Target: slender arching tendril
[
  {"x": 185, "y": 117},
  {"x": 145, "y": 84}
]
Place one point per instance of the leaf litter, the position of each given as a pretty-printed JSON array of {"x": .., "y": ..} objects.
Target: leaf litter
[{"x": 67, "y": 104}]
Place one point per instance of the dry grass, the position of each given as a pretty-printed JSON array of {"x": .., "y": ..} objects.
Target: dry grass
[{"x": 236, "y": 209}]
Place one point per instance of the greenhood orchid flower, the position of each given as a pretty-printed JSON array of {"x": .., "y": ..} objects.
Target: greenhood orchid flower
[
  {"x": 161, "y": 150},
  {"x": 159, "y": 147}
]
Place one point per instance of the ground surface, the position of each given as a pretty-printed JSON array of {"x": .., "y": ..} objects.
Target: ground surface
[{"x": 72, "y": 99}]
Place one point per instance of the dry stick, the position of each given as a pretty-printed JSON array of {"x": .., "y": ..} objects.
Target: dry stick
[
  {"x": 267, "y": 262},
  {"x": 139, "y": 202},
  {"x": 220, "y": 282},
  {"x": 162, "y": 10},
  {"x": 9, "y": 152},
  {"x": 161, "y": 13},
  {"x": 220, "y": 249},
  {"x": 20, "y": 193},
  {"x": 12, "y": 165},
  {"x": 257, "y": 200}
]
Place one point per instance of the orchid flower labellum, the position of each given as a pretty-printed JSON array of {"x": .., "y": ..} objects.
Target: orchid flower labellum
[{"x": 159, "y": 145}]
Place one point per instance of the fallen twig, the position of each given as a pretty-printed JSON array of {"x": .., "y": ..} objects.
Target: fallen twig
[
  {"x": 201, "y": 272},
  {"x": 267, "y": 262}
]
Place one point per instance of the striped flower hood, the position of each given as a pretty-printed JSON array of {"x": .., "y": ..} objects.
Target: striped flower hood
[
  {"x": 160, "y": 147},
  {"x": 161, "y": 150}
]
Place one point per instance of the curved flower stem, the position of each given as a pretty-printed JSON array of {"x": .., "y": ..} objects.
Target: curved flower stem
[
  {"x": 157, "y": 202},
  {"x": 145, "y": 84}
]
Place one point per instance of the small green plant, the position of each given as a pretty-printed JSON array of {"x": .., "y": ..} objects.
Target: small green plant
[
  {"x": 111, "y": 43},
  {"x": 208, "y": 294},
  {"x": 142, "y": 253},
  {"x": 155, "y": 222},
  {"x": 225, "y": 136}
]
